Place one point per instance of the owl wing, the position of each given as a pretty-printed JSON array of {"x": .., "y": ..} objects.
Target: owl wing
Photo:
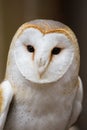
[
  {"x": 6, "y": 94},
  {"x": 77, "y": 106}
]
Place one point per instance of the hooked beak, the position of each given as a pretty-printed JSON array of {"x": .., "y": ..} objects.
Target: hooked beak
[{"x": 42, "y": 64}]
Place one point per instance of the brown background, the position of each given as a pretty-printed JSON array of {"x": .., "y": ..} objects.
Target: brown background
[{"x": 13, "y": 13}]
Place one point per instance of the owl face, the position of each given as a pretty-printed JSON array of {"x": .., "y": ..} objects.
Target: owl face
[{"x": 43, "y": 58}]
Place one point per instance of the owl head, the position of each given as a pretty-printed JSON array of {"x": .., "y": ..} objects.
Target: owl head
[{"x": 44, "y": 51}]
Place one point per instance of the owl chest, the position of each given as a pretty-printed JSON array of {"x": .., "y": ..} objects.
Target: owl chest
[{"x": 38, "y": 112}]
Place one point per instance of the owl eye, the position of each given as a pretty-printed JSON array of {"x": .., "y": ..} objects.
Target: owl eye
[
  {"x": 56, "y": 50},
  {"x": 30, "y": 48}
]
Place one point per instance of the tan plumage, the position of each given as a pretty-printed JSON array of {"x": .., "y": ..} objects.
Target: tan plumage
[
  {"x": 1, "y": 99},
  {"x": 42, "y": 68}
]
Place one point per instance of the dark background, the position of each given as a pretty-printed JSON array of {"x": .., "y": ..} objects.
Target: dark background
[{"x": 13, "y": 13}]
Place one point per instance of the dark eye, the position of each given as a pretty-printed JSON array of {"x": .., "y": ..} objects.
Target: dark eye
[
  {"x": 30, "y": 48},
  {"x": 56, "y": 50}
]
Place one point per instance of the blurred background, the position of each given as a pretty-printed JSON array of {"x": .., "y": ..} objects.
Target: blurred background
[{"x": 71, "y": 12}]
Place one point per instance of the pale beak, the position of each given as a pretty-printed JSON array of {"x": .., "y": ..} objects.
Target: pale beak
[{"x": 42, "y": 64}]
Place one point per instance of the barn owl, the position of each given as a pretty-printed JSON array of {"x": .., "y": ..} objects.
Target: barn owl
[{"x": 41, "y": 89}]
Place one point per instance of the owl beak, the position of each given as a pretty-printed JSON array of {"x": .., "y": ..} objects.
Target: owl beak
[
  {"x": 42, "y": 64},
  {"x": 42, "y": 67}
]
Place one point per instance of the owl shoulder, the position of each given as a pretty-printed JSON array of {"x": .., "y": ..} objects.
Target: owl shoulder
[{"x": 6, "y": 94}]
